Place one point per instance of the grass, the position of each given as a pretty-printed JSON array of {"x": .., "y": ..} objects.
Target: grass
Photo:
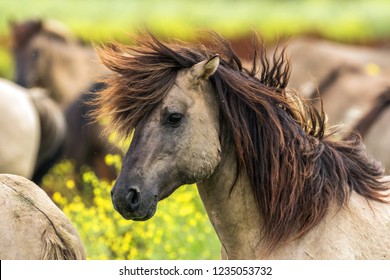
[{"x": 104, "y": 20}]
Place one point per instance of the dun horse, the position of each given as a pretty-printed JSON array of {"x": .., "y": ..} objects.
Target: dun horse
[
  {"x": 274, "y": 184},
  {"x": 32, "y": 227},
  {"x": 48, "y": 55}
]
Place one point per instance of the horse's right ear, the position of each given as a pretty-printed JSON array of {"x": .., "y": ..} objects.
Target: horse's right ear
[{"x": 205, "y": 68}]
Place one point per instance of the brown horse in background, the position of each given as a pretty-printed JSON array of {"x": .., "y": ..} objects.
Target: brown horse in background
[
  {"x": 274, "y": 183},
  {"x": 315, "y": 60},
  {"x": 48, "y": 55},
  {"x": 352, "y": 82}
]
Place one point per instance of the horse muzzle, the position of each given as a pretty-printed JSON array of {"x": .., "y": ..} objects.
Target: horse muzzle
[{"x": 132, "y": 204}]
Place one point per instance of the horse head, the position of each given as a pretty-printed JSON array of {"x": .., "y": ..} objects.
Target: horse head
[{"x": 176, "y": 144}]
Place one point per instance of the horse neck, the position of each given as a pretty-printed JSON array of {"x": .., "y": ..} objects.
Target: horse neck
[{"x": 231, "y": 207}]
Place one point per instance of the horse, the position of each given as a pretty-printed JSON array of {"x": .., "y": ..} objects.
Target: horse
[
  {"x": 355, "y": 100},
  {"x": 274, "y": 182},
  {"x": 20, "y": 130},
  {"x": 314, "y": 60},
  {"x": 84, "y": 143},
  {"x": 349, "y": 81},
  {"x": 32, "y": 128},
  {"x": 48, "y": 55},
  {"x": 375, "y": 129},
  {"x": 32, "y": 227}
]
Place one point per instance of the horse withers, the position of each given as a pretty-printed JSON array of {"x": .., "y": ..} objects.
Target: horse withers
[{"x": 274, "y": 183}]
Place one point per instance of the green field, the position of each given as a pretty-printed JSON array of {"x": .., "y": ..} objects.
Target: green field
[{"x": 100, "y": 21}]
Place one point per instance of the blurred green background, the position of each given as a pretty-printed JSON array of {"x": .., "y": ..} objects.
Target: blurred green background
[
  {"x": 180, "y": 229},
  {"x": 356, "y": 21}
]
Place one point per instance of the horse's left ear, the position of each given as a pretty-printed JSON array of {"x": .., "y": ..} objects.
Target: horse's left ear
[{"x": 205, "y": 68}]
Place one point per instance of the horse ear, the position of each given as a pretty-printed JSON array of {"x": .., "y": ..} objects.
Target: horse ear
[{"x": 205, "y": 68}]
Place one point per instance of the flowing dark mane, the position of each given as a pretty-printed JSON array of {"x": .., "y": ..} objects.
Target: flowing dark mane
[{"x": 297, "y": 171}]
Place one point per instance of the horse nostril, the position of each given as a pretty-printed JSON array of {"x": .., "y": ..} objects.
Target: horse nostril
[{"x": 133, "y": 199}]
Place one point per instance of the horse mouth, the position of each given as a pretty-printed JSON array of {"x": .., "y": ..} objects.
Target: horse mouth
[
  {"x": 144, "y": 213},
  {"x": 148, "y": 215}
]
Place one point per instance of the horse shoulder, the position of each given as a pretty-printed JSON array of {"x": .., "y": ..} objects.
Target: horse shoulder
[{"x": 32, "y": 226}]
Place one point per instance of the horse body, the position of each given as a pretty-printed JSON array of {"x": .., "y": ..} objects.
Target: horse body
[
  {"x": 378, "y": 134},
  {"x": 273, "y": 183},
  {"x": 350, "y": 96},
  {"x": 84, "y": 143},
  {"x": 53, "y": 131},
  {"x": 32, "y": 226},
  {"x": 32, "y": 130},
  {"x": 358, "y": 101},
  {"x": 315, "y": 59},
  {"x": 350, "y": 81},
  {"x": 20, "y": 130}
]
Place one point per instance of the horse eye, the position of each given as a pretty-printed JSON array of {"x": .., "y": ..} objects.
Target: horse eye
[{"x": 174, "y": 119}]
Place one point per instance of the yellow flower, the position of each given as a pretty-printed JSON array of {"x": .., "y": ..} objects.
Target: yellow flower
[
  {"x": 57, "y": 197},
  {"x": 372, "y": 69}
]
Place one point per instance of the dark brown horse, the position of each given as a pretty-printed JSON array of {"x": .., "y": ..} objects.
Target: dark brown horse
[{"x": 274, "y": 183}]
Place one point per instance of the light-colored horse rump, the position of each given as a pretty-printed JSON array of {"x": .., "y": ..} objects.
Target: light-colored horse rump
[
  {"x": 19, "y": 130},
  {"x": 32, "y": 226}
]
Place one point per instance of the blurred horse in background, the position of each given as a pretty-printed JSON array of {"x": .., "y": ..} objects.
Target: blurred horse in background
[
  {"x": 32, "y": 227},
  {"x": 353, "y": 83},
  {"x": 32, "y": 130},
  {"x": 84, "y": 142},
  {"x": 315, "y": 60},
  {"x": 48, "y": 55},
  {"x": 19, "y": 130}
]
